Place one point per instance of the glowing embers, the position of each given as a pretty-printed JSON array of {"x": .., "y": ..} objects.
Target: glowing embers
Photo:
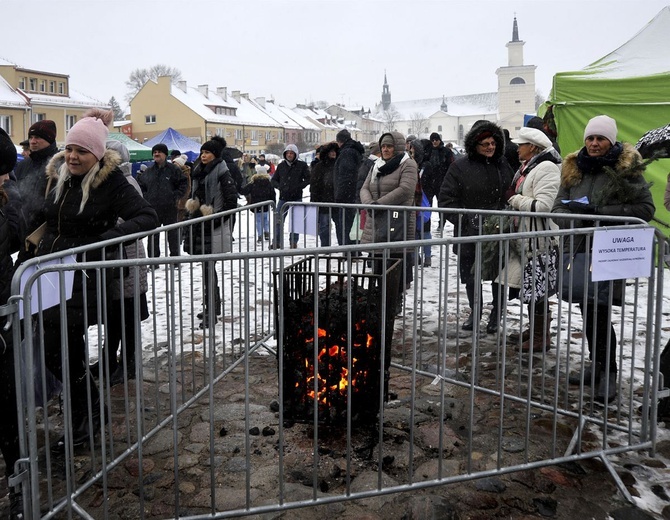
[{"x": 341, "y": 371}]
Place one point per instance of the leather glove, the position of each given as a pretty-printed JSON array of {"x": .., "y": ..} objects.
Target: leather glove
[{"x": 580, "y": 207}]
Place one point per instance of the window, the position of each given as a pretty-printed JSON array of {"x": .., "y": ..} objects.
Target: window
[
  {"x": 43, "y": 85},
  {"x": 409, "y": 131},
  {"x": 239, "y": 135},
  {"x": 22, "y": 83},
  {"x": 69, "y": 122},
  {"x": 439, "y": 128},
  {"x": 517, "y": 101},
  {"x": 254, "y": 135},
  {"x": 6, "y": 124},
  {"x": 33, "y": 84},
  {"x": 39, "y": 117},
  {"x": 61, "y": 87},
  {"x": 517, "y": 81},
  {"x": 52, "y": 87},
  {"x": 150, "y": 120},
  {"x": 268, "y": 136}
]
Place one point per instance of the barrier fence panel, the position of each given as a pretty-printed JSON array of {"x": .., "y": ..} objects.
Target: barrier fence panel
[{"x": 288, "y": 374}]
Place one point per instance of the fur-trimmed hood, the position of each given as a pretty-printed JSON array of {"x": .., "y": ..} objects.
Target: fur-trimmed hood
[
  {"x": 109, "y": 162},
  {"x": 629, "y": 164},
  {"x": 260, "y": 176},
  {"x": 470, "y": 142},
  {"x": 58, "y": 174}
]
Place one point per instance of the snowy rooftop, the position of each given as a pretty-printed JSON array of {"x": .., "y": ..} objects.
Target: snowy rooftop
[
  {"x": 247, "y": 112},
  {"x": 9, "y": 97},
  {"x": 472, "y": 104}
]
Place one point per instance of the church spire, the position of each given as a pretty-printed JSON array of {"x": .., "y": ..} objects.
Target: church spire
[
  {"x": 386, "y": 94},
  {"x": 515, "y": 31},
  {"x": 444, "y": 106}
]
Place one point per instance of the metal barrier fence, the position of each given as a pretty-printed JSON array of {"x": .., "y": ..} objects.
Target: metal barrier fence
[{"x": 179, "y": 435}]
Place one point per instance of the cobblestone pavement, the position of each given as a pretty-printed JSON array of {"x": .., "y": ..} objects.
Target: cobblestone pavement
[{"x": 574, "y": 490}]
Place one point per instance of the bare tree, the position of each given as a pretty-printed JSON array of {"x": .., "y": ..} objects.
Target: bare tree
[
  {"x": 390, "y": 117},
  {"x": 539, "y": 99},
  {"x": 418, "y": 123},
  {"x": 139, "y": 77}
]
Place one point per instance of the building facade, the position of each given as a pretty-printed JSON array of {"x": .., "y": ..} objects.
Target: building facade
[{"x": 28, "y": 96}]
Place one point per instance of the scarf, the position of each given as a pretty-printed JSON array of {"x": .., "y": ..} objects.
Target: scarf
[
  {"x": 588, "y": 164},
  {"x": 201, "y": 171},
  {"x": 382, "y": 167}
]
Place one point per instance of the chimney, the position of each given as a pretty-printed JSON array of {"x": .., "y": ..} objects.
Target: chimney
[
  {"x": 245, "y": 96},
  {"x": 222, "y": 92},
  {"x": 236, "y": 95},
  {"x": 203, "y": 89},
  {"x": 261, "y": 102},
  {"x": 181, "y": 85}
]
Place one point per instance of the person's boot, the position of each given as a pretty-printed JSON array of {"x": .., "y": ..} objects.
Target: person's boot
[
  {"x": 540, "y": 340},
  {"x": 15, "y": 504},
  {"x": 469, "y": 322},
  {"x": 607, "y": 387},
  {"x": 514, "y": 337},
  {"x": 81, "y": 432},
  {"x": 493, "y": 324},
  {"x": 577, "y": 378}
]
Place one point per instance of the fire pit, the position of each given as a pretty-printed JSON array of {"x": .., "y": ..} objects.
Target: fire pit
[{"x": 335, "y": 359}]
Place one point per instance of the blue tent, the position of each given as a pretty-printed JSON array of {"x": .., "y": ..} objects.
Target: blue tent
[{"x": 176, "y": 141}]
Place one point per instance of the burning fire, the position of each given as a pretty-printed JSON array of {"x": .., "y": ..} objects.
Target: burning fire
[{"x": 332, "y": 373}]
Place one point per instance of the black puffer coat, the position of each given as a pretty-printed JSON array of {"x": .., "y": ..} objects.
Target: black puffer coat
[
  {"x": 259, "y": 189},
  {"x": 474, "y": 181},
  {"x": 322, "y": 183},
  {"x": 345, "y": 172},
  {"x": 164, "y": 186},
  {"x": 109, "y": 197}
]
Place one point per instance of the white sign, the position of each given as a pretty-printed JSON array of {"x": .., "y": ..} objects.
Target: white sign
[
  {"x": 48, "y": 284},
  {"x": 304, "y": 220},
  {"x": 622, "y": 253}
]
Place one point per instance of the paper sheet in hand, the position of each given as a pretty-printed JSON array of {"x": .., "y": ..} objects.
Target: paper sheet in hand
[{"x": 48, "y": 284}]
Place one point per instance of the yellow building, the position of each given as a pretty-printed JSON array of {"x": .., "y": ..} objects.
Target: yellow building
[
  {"x": 200, "y": 113},
  {"x": 28, "y": 96}
]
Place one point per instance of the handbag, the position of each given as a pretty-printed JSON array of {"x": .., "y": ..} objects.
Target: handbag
[
  {"x": 33, "y": 240},
  {"x": 540, "y": 274},
  {"x": 576, "y": 282},
  {"x": 389, "y": 226}
]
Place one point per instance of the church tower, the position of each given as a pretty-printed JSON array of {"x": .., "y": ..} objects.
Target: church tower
[
  {"x": 516, "y": 86},
  {"x": 386, "y": 95}
]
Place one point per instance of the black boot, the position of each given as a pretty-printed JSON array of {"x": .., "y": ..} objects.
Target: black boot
[
  {"x": 81, "y": 426},
  {"x": 607, "y": 388},
  {"x": 15, "y": 505},
  {"x": 586, "y": 376},
  {"x": 469, "y": 322},
  {"x": 494, "y": 321}
]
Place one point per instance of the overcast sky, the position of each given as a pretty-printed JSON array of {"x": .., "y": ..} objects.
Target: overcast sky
[{"x": 301, "y": 51}]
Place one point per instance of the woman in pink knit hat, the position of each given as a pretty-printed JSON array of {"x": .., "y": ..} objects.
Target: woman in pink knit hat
[{"x": 89, "y": 200}]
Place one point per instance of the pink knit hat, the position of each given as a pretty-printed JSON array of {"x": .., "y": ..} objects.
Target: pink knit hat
[
  {"x": 602, "y": 125},
  {"x": 91, "y": 131}
]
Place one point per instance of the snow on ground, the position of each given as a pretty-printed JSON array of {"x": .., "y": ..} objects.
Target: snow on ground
[{"x": 175, "y": 296}]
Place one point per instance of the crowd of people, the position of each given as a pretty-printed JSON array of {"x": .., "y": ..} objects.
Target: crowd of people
[{"x": 56, "y": 200}]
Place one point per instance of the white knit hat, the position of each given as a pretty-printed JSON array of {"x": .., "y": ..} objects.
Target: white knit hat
[{"x": 602, "y": 125}]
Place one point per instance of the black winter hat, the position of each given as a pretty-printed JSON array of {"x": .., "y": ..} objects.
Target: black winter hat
[
  {"x": 45, "y": 129},
  {"x": 435, "y": 137},
  {"x": 215, "y": 145},
  {"x": 7, "y": 153},
  {"x": 160, "y": 147}
]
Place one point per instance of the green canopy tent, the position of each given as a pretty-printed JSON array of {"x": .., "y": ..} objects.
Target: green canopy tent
[
  {"x": 138, "y": 152},
  {"x": 632, "y": 85}
]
